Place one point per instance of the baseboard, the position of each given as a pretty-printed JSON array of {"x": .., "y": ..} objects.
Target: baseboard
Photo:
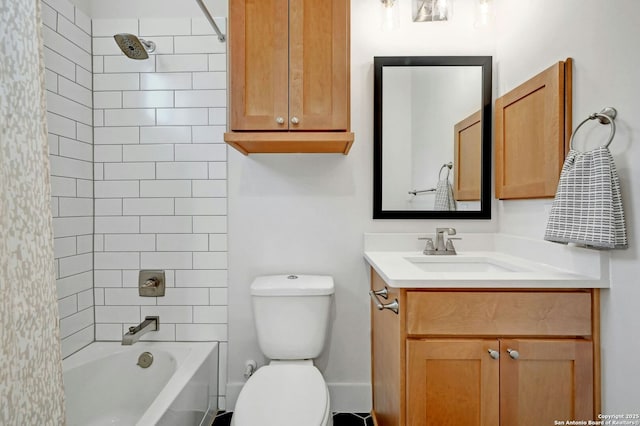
[
  {"x": 345, "y": 397},
  {"x": 350, "y": 397}
]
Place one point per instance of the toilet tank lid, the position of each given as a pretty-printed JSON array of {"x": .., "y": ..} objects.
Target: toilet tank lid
[{"x": 292, "y": 285}]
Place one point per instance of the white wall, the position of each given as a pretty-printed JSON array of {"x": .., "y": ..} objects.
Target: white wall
[
  {"x": 396, "y": 130},
  {"x": 67, "y": 57},
  {"x": 308, "y": 213},
  {"x": 603, "y": 40}
]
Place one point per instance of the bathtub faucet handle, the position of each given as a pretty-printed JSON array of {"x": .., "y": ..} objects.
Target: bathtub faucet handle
[{"x": 151, "y": 282}]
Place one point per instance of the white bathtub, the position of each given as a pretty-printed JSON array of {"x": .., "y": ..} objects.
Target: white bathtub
[{"x": 105, "y": 386}]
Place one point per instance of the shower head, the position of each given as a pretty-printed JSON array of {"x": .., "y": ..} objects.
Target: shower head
[{"x": 134, "y": 47}]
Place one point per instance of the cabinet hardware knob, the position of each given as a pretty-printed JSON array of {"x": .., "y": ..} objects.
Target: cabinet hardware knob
[
  {"x": 513, "y": 353},
  {"x": 280, "y": 120},
  {"x": 295, "y": 120},
  {"x": 494, "y": 354}
]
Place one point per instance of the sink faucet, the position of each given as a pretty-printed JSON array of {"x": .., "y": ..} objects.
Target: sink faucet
[
  {"x": 440, "y": 247},
  {"x": 134, "y": 334}
]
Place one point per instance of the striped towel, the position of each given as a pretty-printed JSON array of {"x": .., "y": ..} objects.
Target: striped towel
[
  {"x": 444, "y": 196},
  {"x": 587, "y": 209}
]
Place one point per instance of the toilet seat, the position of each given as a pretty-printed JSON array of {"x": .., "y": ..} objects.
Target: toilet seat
[{"x": 284, "y": 394}]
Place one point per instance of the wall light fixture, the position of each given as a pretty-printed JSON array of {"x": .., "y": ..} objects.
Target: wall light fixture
[
  {"x": 390, "y": 18},
  {"x": 431, "y": 10},
  {"x": 484, "y": 13}
]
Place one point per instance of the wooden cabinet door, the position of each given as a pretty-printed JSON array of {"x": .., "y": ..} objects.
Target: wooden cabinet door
[
  {"x": 387, "y": 350},
  {"x": 467, "y": 154},
  {"x": 530, "y": 132},
  {"x": 258, "y": 62},
  {"x": 550, "y": 380},
  {"x": 452, "y": 382},
  {"x": 319, "y": 65}
]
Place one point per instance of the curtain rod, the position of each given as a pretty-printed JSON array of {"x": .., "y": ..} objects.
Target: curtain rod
[{"x": 221, "y": 36}]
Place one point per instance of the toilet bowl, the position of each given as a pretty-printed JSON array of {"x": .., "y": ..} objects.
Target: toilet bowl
[
  {"x": 291, "y": 315},
  {"x": 284, "y": 393}
]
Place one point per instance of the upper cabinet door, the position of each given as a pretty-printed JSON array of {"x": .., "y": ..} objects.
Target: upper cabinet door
[
  {"x": 319, "y": 65},
  {"x": 531, "y": 127},
  {"x": 258, "y": 52}
]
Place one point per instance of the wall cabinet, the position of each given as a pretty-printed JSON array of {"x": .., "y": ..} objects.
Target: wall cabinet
[
  {"x": 532, "y": 134},
  {"x": 467, "y": 149},
  {"x": 485, "y": 357},
  {"x": 289, "y": 76}
]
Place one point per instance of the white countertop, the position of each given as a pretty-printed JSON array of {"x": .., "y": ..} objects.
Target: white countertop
[{"x": 398, "y": 269}]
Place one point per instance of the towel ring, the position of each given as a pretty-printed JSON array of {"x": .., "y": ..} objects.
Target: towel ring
[
  {"x": 448, "y": 165},
  {"x": 606, "y": 116}
]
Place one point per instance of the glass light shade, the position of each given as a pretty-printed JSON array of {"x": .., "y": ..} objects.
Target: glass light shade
[
  {"x": 484, "y": 13},
  {"x": 389, "y": 15}
]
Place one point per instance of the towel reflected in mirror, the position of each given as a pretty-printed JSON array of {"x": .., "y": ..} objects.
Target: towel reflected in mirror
[{"x": 444, "y": 195}]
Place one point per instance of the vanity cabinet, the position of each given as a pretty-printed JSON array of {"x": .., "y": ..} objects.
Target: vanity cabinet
[
  {"x": 485, "y": 356},
  {"x": 289, "y": 76}
]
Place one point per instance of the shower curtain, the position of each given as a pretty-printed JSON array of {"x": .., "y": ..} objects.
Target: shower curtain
[{"x": 30, "y": 357}]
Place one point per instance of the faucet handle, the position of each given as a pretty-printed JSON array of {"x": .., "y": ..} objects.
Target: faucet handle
[
  {"x": 428, "y": 247},
  {"x": 449, "y": 246},
  {"x": 151, "y": 282}
]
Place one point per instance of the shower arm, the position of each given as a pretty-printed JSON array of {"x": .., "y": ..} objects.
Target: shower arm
[{"x": 221, "y": 36}]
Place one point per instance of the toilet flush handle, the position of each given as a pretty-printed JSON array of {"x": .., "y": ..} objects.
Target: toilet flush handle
[{"x": 250, "y": 367}]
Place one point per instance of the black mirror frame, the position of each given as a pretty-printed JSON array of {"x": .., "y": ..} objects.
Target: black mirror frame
[{"x": 485, "y": 187}]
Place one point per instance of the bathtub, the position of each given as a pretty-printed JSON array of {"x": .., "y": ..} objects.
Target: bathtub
[{"x": 105, "y": 386}]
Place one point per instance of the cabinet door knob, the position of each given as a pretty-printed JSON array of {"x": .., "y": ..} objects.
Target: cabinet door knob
[
  {"x": 295, "y": 120},
  {"x": 513, "y": 353},
  {"x": 280, "y": 120},
  {"x": 494, "y": 354}
]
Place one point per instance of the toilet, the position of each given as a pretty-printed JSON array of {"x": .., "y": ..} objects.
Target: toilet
[{"x": 291, "y": 314}]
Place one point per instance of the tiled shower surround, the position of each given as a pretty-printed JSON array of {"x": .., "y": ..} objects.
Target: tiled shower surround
[
  {"x": 67, "y": 55},
  {"x": 139, "y": 177},
  {"x": 160, "y": 179}
]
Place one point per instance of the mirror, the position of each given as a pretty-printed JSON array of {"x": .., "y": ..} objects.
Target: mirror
[{"x": 432, "y": 137}]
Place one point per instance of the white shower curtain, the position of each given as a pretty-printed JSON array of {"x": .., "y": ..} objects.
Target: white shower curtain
[{"x": 30, "y": 358}]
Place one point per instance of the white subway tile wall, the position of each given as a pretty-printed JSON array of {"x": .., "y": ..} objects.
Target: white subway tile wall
[
  {"x": 160, "y": 180},
  {"x": 67, "y": 40},
  {"x": 138, "y": 175}
]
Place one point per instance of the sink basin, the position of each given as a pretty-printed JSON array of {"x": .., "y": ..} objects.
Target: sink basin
[{"x": 461, "y": 264}]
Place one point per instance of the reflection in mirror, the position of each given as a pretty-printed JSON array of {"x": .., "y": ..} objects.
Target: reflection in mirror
[{"x": 432, "y": 137}]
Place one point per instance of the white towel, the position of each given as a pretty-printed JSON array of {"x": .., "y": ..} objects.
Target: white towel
[
  {"x": 588, "y": 209},
  {"x": 444, "y": 196}
]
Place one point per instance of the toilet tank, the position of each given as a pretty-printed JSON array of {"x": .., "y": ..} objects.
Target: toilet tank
[{"x": 291, "y": 314}]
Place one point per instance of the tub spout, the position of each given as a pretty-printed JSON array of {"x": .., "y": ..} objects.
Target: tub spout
[{"x": 134, "y": 334}]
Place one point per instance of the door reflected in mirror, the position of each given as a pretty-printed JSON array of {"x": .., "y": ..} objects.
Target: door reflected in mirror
[{"x": 432, "y": 137}]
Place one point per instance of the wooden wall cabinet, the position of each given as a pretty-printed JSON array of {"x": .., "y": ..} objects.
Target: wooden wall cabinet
[
  {"x": 289, "y": 76},
  {"x": 467, "y": 149},
  {"x": 532, "y": 133},
  {"x": 485, "y": 357}
]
